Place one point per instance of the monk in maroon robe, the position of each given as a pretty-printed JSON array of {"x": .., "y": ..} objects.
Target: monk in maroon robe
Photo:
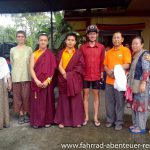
[
  {"x": 43, "y": 64},
  {"x": 70, "y": 111}
]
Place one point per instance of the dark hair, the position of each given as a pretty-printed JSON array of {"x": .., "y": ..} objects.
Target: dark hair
[
  {"x": 140, "y": 38},
  {"x": 43, "y": 34},
  {"x": 118, "y": 32},
  {"x": 71, "y": 34},
  {"x": 21, "y": 32}
]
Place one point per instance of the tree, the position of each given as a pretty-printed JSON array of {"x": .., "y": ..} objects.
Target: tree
[
  {"x": 62, "y": 28},
  {"x": 32, "y": 23},
  {"x": 35, "y": 23},
  {"x": 7, "y": 34}
]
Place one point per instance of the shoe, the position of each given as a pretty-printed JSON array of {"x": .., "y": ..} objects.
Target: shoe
[
  {"x": 8, "y": 126},
  {"x": 26, "y": 118},
  {"x": 47, "y": 125},
  {"x": 118, "y": 128},
  {"x": 97, "y": 123},
  {"x": 21, "y": 120},
  {"x": 108, "y": 125}
]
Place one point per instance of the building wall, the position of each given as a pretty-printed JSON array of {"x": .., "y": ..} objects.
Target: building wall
[
  {"x": 81, "y": 25},
  {"x": 127, "y": 20}
]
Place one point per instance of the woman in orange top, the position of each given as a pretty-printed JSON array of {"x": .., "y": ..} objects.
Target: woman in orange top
[{"x": 70, "y": 104}]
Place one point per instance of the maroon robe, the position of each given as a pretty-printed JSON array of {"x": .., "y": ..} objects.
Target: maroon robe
[
  {"x": 70, "y": 110},
  {"x": 42, "y": 99}
]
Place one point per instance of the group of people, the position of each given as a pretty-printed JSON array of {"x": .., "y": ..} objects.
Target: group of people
[{"x": 34, "y": 75}]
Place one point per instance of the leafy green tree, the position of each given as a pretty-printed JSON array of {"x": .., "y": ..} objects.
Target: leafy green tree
[
  {"x": 35, "y": 23},
  {"x": 7, "y": 34},
  {"x": 62, "y": 28},
  {"x": 32, "y": 23}
]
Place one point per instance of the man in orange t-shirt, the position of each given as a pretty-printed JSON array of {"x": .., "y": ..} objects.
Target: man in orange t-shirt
[{"x": 118, "y": 55}]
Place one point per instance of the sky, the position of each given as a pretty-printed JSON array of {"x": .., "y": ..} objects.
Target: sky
[{"x": 5, "y": 20}]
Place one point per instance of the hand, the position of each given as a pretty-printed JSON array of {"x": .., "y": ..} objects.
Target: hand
[
  {"x": 45, "y": 84},
  {"x": 147, "y": 57},
  {"x": 111, "y": 73},
  {"x": 38, "y": 83},
  {"x": 65, "y": 76},
  {"x": 142, "y": 87},
  {"x": 102, "y": 75}
]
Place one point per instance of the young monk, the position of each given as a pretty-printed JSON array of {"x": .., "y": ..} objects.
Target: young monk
[
  {"x": 42, "y": 67},
  {"x": 70, "y": 110}
]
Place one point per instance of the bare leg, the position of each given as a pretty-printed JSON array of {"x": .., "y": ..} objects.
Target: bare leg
[
  {"x": 96, "y": 103},
  {"x": 21, "y": 113},
  {"x": 86, "y": 103}
]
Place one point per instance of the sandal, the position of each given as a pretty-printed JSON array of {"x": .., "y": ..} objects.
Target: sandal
[
  {"x": 85, "y": 123},
  {"x": 138, "y": 131},
  {"x": 97, "y": 123}
]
